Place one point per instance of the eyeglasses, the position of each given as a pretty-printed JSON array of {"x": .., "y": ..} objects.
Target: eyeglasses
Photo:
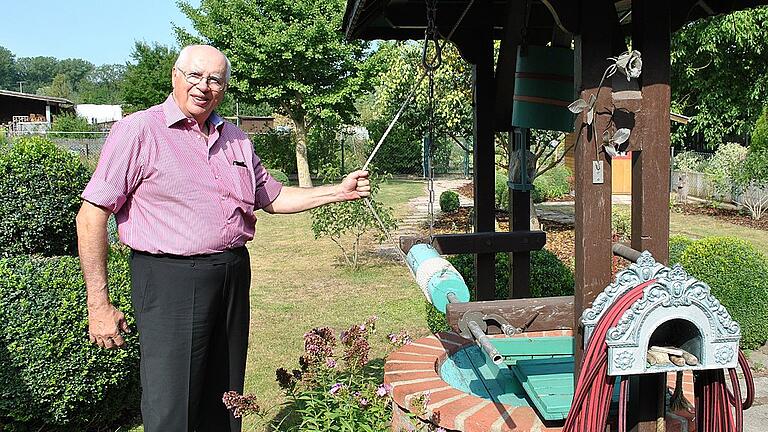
[{"x": 194, "y": 78}]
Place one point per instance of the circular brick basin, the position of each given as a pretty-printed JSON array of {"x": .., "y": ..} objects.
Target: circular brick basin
[{"x": 413, "y": 371}]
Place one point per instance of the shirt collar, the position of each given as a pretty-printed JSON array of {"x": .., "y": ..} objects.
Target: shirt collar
[{"x": 173, "y": 114}]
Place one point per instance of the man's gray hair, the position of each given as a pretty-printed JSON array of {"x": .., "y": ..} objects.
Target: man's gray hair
[{"x": 184, "y": 54}]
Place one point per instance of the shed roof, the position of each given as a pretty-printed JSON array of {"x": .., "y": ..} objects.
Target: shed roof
[{"x": 50, "y": 99}]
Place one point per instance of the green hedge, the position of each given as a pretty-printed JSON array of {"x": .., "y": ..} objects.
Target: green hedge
[
  {"x": 40, "y": 187},
  {"x": 449, "y": 201},
  {"x": 279, "y": 176},
  {"x": 552, "y": 184},
  {"x": 549, "y": 278},
  {"x": 51, "y": 376},
  {"x": 736, "y": 272},
  {"x": 678, "y": 244}
]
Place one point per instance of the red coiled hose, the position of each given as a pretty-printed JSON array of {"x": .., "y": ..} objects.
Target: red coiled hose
[{"x": 594, "y": 388}]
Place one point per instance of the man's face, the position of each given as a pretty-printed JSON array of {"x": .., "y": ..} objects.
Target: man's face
[{"x": 207, "y": 65}]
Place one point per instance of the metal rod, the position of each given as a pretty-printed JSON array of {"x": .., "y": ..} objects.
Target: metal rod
[
  {"x": 484, "y": 342},
  {"x": 626, "y": 252},
  {"x": 452, "y": 298}
]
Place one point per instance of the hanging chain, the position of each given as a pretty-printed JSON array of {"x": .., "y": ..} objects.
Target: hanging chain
[{"x": 431, "y": 65}]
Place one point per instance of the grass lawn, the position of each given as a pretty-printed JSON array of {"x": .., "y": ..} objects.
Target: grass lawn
[{"x": 299, "y": 283}]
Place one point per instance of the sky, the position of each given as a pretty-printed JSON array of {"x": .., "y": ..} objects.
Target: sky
[{"x": 100, "y": 31}]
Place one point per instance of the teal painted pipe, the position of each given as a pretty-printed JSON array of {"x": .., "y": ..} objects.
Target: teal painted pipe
[{"x": 436, "y": 276}]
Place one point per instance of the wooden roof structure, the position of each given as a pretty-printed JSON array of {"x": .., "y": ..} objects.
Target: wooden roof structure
[{"x": 405, "y": 19}]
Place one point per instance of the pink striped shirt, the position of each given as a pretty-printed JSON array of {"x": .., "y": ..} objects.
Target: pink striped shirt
[{"x": 174, "y": 192}]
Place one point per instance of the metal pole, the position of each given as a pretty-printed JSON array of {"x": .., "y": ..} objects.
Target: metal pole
[
  {"x": 343, "y": 135},
  {"x": 484, "y": 342}
]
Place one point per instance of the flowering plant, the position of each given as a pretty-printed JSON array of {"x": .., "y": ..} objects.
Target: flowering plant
[{"x": 335, "y": 388}]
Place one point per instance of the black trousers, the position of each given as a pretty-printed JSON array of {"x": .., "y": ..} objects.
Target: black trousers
[{"x": 192, "y": 315}]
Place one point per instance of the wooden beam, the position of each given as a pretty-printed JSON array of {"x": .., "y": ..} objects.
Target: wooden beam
[
  {"x": 651, "y": 34},
  {"x": 507, "y": 65},
  {"x": 593, "y": 198},
  {"x": 479, "y": 52},
  {"x": 489, "y": 242},
  {"x": 551, "y": 313},
  {"x": 520, "y": 222}
]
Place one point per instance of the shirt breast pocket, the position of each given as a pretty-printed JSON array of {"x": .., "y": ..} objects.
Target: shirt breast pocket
[{"x": 245, "y": 177}]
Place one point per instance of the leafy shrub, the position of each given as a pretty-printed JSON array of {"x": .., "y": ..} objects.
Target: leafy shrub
[
  {"x": 751, "y": 183},
  {"x": 549, "y": 278},
  {"x": 345, "y": 223},
  {"x": 501, "y": 190},
  {"x": 677, "y": 245},
  {"x": 51, "y": 374},
  {"x": 553, "y": 184},
  {"x": 276, "y": 149},
  {"x": 736, "y": 272},
  {"x": 759, "y": 141},
  {"x": 621, "y": 223},
  {"x": 279, "y": 176},
  {"x": 70, "y": 124},
  {"x": 449, "y": 201},
  {"x": 723, "y": 166},
  {"x": 39, "y": 197},
  {"x": 689, "y": 161}
]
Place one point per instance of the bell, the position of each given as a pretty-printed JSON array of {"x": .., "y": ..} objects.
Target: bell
[{"x": 543, "y": 88}]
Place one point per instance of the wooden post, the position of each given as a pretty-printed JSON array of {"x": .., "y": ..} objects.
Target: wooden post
[
  {"x": 476, "y": 46},
  {"x": 520, "y": 220},
  {"x": 650, "y": 171},
  {"x": 650, "y": 165},
  {"x": 593, "y": 198}
]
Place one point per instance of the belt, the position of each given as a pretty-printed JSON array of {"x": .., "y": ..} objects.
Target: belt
[{"x": 187, "y": 257}]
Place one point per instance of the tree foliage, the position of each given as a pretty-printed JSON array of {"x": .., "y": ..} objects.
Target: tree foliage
[
  {"x": 346, "y": 223},
  {"x": 7, "y": 69},
  {"x": 720, "y": 76},
  {"x": 103, "y": 85},
  {"x": 288, "y": 54},
  {"x": 148, "y": 80}
]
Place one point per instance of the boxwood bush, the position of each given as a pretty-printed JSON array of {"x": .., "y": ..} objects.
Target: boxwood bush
[
  {"x": 40, "y": 186},
  {"x": 549, "y": 278},
  {"x": 449, "y": 201},
  {"x": 678, "y": 244},
  {"x": 51, "y": 376},
  {"x": 736, "y": 272}
]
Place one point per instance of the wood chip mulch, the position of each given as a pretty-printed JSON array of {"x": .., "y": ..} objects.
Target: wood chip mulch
[{"x": 724, "y": 214}]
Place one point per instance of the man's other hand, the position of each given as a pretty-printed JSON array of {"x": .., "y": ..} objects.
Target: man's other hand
[
  {"x": 105, "y": 324},
  {"x": 356, "y": 185}
]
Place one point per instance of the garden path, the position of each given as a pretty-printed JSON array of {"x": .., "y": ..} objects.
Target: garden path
[{"x": 416, "y": 221}]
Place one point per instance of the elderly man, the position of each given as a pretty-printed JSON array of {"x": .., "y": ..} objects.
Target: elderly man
[{"x": 183, "y": 185}]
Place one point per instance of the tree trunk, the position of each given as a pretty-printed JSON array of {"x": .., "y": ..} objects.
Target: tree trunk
[{"x": 302, "y": 163}]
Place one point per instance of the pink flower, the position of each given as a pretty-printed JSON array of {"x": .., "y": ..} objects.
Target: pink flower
[
  {"x": 335, "y": 388},
  {"x": 383, "y": 390},
  {"x": 330, "y": 363}
]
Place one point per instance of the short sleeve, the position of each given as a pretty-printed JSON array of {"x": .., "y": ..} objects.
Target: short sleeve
[
  {"x": 267, "y": 188},
  {"x": 121, "y": 165}
]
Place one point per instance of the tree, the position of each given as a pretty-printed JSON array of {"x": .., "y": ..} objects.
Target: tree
[
  {"x": 76, "y": 70},
  {"x": 60, "y": 87},
  {"x": 103, "y": 85},
  {"x": 148, "y": 81},
  {"x": 399, "y": 67},
  {"x": 7, "y": 69},
  {"x": 720, "y": 76},
  {"x": 36, "y": 72},
  {"x": 288, "y": 54}
]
